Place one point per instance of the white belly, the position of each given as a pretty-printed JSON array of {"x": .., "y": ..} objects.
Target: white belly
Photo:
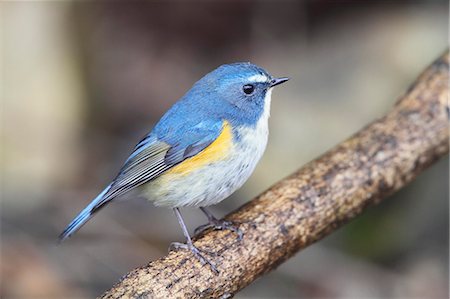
[{"x": 216, "y": 181}]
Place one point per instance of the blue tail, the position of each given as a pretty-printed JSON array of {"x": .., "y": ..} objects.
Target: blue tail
[{"x": 83, "y": 216}]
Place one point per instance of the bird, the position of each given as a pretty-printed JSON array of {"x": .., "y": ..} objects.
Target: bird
[{"x": 202, "y": 150}]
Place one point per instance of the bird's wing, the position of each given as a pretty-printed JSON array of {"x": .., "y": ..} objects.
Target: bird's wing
[{"x": 155, "y": 154}]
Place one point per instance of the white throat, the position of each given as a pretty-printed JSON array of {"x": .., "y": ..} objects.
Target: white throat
[{"x": 266, "y": 112}]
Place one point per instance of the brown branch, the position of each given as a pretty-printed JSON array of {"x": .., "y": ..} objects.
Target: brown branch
[{"x": 311, "y": 203}]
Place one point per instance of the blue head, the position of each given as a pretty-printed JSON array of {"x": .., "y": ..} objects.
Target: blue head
[{"x": 238, "y": 92}]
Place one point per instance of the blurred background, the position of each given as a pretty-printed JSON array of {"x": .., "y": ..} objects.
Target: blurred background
[{"x": 83, "y": 81}]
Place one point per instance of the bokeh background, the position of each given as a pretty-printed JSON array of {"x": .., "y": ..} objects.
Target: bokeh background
[{"x": 82, "y": 82}]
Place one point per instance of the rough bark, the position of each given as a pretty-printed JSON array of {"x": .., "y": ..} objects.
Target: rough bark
[{"x": 311, "y": 203}]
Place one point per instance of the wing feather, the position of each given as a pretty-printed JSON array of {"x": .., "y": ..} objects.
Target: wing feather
[
  {"x": 139, "y": 169},
  {"x": 152, "y": 156}
]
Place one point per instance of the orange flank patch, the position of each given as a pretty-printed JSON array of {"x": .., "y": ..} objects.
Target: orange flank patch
[{"x": 216, "y": 151}]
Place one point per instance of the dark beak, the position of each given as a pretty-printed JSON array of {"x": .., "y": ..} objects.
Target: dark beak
[{"x": 278, "y": 81}]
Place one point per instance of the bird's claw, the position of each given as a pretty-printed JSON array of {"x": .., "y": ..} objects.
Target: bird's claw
[
  {"x": 196, "y": 252},
  {"x": 220, "y": 225}
]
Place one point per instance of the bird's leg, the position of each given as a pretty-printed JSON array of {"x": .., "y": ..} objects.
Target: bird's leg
[
  {"x": 189, "y": 245},
  {"x": 217, "y": 224}
]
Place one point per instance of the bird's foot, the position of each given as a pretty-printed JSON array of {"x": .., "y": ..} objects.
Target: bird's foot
[
  {"x": 196, "y": 252},
  {"x": 221, "y": 224}
]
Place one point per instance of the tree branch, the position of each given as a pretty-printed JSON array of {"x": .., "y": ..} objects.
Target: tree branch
[{"x": 312, "y": 202}]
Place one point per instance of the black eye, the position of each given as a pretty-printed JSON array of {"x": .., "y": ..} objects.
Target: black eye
[{"x": 248, "y": 88}]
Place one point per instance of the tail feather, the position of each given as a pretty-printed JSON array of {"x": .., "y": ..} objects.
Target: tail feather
[{"x": 83, "y": 216}]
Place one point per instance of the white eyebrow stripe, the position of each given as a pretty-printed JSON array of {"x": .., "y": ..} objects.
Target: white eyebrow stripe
[{"x": 258, "y": 78}]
